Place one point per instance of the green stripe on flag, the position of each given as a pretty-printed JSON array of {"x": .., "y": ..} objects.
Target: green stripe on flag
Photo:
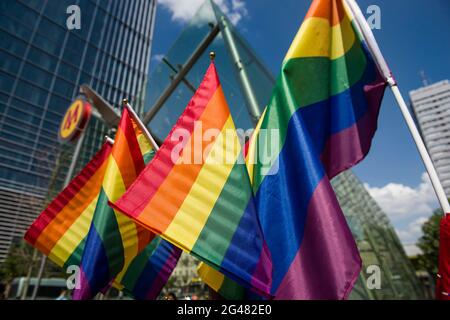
[
  {"x": 138, "y": 264},
  {"x": 305, "y": 81},
  {"x": 148, "y": 156},
  {"x": 216, "y": 235},
  {"x": 105, "y": 223},
  {"x": 75, "y": 258}
]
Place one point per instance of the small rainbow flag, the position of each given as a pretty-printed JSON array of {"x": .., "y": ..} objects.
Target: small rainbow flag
[
  {"x": 114, "y": 241},
  {"x": 61, "y": 230},
  {"x": 196, "y": 191}
]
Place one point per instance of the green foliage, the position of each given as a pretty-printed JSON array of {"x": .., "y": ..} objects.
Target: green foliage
[
  {"x": 429, "y": 244},
  {"x": 19, "y": 260},
  {"x": 17, "y": 263}
]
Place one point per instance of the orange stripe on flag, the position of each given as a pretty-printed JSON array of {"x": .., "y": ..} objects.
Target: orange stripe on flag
[
  {"x": 166, "y": 202},
  {"x": 122, "y": 155},
  {"x": 322, "y": 9},
  {"x": 67, "y": 216}
]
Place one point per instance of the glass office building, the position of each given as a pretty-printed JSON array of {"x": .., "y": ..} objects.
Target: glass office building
[
  {"x": 242, "y": 75},
  {"x": 378, "y": 244},
  {"x": 42, "y": 65},
  {"x": 236, "y": 63}
]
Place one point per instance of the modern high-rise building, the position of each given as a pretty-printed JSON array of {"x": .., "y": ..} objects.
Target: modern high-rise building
[
  {"x": 431, "y": 106},
  {"x": 42, "y": 65}
]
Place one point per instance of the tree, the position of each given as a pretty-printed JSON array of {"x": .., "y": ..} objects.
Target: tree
[
  {"x": 20, "y": 259},
  {"x": 429, "y": 243},
  {"x": 17, "y": 262}
]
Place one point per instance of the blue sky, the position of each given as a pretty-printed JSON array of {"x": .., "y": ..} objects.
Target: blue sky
[{"x": 414, "y": 36}]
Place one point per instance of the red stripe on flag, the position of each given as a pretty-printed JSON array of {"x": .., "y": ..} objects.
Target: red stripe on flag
[
  {"x": 163, "y": 158},
  {"x": 74, "y": 187},
  {"x": 128, "y": 129}
]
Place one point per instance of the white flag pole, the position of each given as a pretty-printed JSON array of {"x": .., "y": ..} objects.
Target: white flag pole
[
  {"x": 109, "y": 140},
  {"x": 141, "y": 125},
  {"x": 384, "y": 69}
]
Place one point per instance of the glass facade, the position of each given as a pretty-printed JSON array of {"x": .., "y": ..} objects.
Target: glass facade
[
  {"x": 376, "y": 239},
  {"x": 42, "y": 65},
  {"x": 177, "y": 56},
  {"x": 378, "y": 245}
]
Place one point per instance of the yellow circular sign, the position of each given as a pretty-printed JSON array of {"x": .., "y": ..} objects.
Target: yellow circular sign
[{"x": 74, "y": 120}]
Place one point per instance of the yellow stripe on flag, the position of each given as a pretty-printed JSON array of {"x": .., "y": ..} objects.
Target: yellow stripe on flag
[
  {"x": 67, "y": 244},
  {"x": 130, "y": 241},
  {"x": 114, "y": 188},
  {"x": 250, "y": 159},
  {"x": 316, "y": 38},
  {"x": 112, "y": 182},
  {"x": 190, "y": 219},
  {"x": 144, "y": 144},
  {"x": 214, "y": 277}
]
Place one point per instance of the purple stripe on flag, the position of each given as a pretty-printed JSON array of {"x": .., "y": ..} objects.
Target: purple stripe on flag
[
  {"x": 261, "y": 268},
  {"x": 349, "y": 146},
  {"x": 82, "y": 288},
  {"x": 328, "y": 263},
  {"x": 157, "y": 285},
  {"x": 164, "y": 274}
]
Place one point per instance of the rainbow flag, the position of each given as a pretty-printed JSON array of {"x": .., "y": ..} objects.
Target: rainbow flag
[
  {"x": 61, "y": 230},
  {"x": 216, "y": 280},
  {"x": 148, "y": 273},
  {"x": 324, "y": 109},
  {"x": 196, "y": 192},
  {"x": 114, "y": 241},
  {"x": 319, "y": 122}
]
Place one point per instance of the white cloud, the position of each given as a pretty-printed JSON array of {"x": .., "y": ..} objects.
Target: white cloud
[
  {"x": 412, "y": 231},
  {"x": 157, "y": 57},
  {"x": 400, "y": 201},
  {"x": 184, "y": 10},
  {"x": 407, "y": 207},
  {"x": 412, "y": 250}
]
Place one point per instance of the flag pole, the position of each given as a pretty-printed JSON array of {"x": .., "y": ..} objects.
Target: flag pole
[
  {"x": 140, "y": 124},
  {"x": 387, "y": 74},
  {"x": 109, "y": 140}
]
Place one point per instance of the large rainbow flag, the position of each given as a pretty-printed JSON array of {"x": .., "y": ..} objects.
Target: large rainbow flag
[
  {"x": 319, "y": 122},
  {"x": 114, "y": 241},
  {"x": 196, "y": 191},
  {"x": 324, "y": 108}
]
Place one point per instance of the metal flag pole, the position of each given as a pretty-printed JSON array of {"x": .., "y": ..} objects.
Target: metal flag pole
[
  {"x": 243, "y": 75},
  {"x": 384, "y": 69},
  {"x": 197, "y": 53},
  {"x": 109, "y": 140},
  {"x": 140, "y": 124}
]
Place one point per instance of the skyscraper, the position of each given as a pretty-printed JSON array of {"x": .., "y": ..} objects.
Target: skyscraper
[
  {"x": 431, "y": 106},
  {"x": 42, "y": 65}
]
